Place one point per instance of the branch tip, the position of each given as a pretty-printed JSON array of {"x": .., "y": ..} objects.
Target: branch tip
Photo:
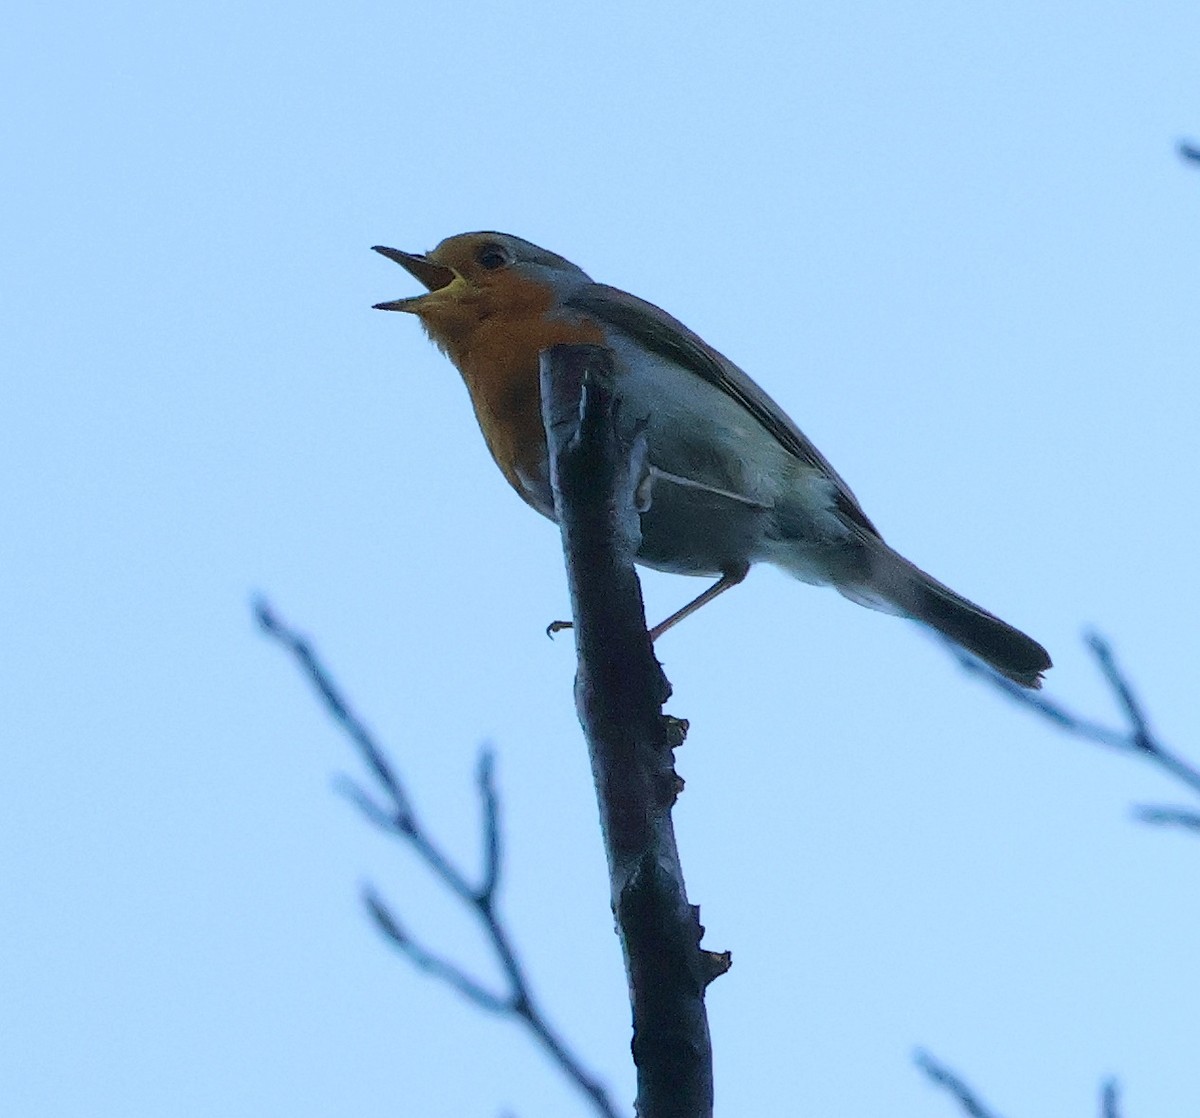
[
  {"x": 264, "y": 614},
  {"x": 1110, "y": 1099},
  {"x": 1168, "y": 816},
  {"x": 384, "y": 918},
  {"x": 943, "y": 1077},
  {"x": 489, "y": 803}
]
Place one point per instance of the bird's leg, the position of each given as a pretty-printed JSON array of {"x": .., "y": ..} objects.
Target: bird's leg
[{"x": 730, "y": 578}]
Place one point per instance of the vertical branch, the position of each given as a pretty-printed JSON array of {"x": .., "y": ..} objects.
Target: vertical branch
[
  {"x": 595, "y": 469},
  {"x": 1110, "y": 1100}
]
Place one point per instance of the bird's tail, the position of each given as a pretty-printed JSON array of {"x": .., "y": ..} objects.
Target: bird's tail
[{"x": 896, "y": 585}]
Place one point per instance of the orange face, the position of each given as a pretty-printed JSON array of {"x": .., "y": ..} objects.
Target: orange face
[
  {"x": 475, "y": 277},
  {"x": 490, "y": 308}
]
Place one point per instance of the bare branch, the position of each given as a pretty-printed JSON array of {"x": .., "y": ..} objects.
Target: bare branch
[
  {"x": 944, "y": 1077},
  {"x": 399, "y": 818},
  {"x": 1189, "y": 151},
  {"x": 1137, "y": 738},
  {"x": 597, "y": 461}
]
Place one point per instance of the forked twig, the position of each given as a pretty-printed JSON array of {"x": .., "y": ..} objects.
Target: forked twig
[
  {"x": 1136, "y": 738},
  {"x": 398, "y": 817},
  {"x": 971, "y": 1105}
]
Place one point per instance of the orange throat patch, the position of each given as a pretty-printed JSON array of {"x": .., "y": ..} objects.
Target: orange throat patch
[{"x": 496, "y": 351}]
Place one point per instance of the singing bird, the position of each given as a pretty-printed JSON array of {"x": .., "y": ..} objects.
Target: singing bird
[{"x": 732, "y": 480}]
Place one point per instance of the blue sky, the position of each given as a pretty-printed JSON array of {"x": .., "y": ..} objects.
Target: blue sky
[{"x": 954, "y": 242}]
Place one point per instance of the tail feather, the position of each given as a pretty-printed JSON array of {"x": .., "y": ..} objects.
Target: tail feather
[{"x": 897, "y": 585}]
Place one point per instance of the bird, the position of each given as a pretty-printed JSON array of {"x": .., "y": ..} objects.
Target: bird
[{"x": 732, "y": 481}]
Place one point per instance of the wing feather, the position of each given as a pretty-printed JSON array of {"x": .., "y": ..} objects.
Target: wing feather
[{"x": 667, "y": 336}]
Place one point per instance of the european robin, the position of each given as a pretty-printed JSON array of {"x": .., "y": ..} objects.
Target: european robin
[{"x": 732, "y": 479}]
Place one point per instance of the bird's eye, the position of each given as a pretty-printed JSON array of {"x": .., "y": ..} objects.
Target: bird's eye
[{"x": 491, "y": 257}]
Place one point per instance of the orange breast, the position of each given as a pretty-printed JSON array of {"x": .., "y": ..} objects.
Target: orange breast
[{"x": 496, "y": 351}]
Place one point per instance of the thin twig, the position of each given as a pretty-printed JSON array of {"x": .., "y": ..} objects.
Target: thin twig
[
  {"x": 320, "y": 678},
  {"x": 944, "y": 1077},
  {"x": 429, "y": 961},
  {"x": 1137, "y": 738},
  {"x": 1110, "y": 1100},
  {"x": 490, "y": 806},
  {"x": 1169, "y": 817},
  {"x": 380, "y": 816},
  {"x": 1140, "y": 737},
  {"x": 399, "y": 818}
]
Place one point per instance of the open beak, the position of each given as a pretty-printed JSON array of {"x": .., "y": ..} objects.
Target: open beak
[{"x": 432, "y": 275}]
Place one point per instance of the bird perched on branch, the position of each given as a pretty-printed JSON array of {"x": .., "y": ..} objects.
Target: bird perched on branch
[{"x": 732, "y": 480}]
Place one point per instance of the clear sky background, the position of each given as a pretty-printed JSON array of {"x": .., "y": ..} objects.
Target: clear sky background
[{"x": 953, "y": 240}]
